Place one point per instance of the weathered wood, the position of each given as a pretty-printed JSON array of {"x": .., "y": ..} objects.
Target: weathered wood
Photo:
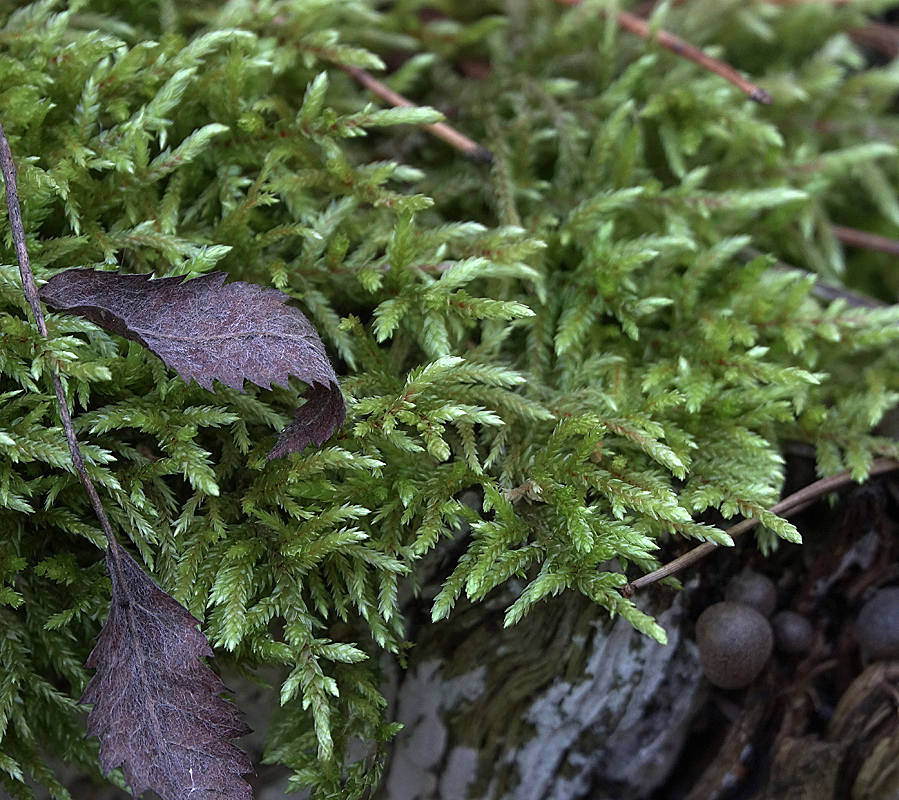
[{"x": 565, "y": 705}]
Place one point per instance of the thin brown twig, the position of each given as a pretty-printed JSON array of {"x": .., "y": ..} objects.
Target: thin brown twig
[
  {"x": 821, "y": 288},
  {"x": 8, "y": 167},
  {"x": 878, "y": 36},
  {"x": 675, "y": 44},
  {"x": 809, "y": 2},
  {"x": 871, "y": 241},
  {"x": 796, "y": 502},
  {"x": 450, "y": 135}
]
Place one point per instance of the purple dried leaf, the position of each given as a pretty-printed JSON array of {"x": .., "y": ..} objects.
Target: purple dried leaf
[
  {"x": 323, "y": 413},
  {"x": 206, "y": 331},
  {"x": 157, "y": 707}
]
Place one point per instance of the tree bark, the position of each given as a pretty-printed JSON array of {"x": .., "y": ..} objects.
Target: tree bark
[{"x": 567, "y": 704}]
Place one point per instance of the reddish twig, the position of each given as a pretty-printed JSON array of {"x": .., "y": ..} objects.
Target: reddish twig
[
  {"x": 675, "y": 44},
  {"x": 878, "y": 36},
  {"x": 821, "y": 289},
  {"x": 809, "y": 2},
  {"x": 8, "y": 167},
  {"x": 871, "y": 241},
  {"x": 793, "y": 504},
  {"x": 441, "y": 130}
]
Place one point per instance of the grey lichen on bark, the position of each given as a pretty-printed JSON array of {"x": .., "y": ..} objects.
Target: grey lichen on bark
[{"x": 565, "y": 705}]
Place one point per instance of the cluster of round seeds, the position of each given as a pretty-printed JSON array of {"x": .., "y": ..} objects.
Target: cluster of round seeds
[{"x": 735, "y": 638}]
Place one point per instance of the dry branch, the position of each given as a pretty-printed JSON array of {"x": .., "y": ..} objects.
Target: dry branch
[
  {"x": 441, "y": 130},
  {"x": 675, "y": 44},
  {"x": 796, "y": 502}
]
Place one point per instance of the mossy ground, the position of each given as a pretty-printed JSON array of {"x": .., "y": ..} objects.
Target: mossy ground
[{"x": 582, "y": 332}]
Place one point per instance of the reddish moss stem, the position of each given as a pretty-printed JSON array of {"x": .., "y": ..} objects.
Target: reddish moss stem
[
  {"x": 871, "y": 241},
  {"x": 793, "y": 504},
  {"x": 441, "y": 130},
  {"x": 8, "y": 167},
  {"x": 675, "y": 44}
]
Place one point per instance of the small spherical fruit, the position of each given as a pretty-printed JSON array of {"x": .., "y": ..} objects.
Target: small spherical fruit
[
  {"x": 752, "y": 589},
  {"x": 877, "y": 626},
  {"x": 735, "y": 643},
  {"x": 793, "y": 633}
]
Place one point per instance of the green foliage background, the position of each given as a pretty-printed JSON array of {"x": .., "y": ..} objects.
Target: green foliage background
[{"x": 583, "y": 330}]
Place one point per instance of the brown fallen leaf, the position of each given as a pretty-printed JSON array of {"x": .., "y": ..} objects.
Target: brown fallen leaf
[
  {"x": 206, "y": 331},
  {"x": 158, "y": 709},
  {"x": 323, "y": 411}
]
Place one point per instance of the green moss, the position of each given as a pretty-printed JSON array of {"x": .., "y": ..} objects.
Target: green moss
[{"x": 580, "y": 332}]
